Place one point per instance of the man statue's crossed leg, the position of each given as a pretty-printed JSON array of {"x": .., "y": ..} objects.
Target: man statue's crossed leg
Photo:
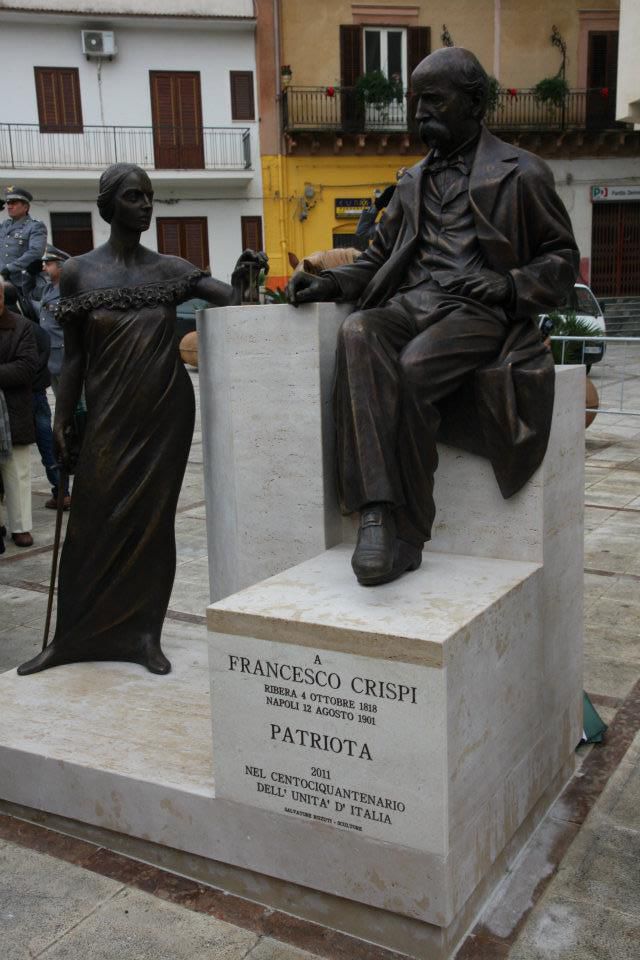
[{"x": 394, "y": 363}]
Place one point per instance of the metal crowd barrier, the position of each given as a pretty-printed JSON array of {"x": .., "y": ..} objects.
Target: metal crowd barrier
[{"x": 616, "y": 376}]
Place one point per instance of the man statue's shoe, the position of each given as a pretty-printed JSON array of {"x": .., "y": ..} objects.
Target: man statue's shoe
[
  {"x": 406, "y": 557},
  {"x": 373, "y": 557}
]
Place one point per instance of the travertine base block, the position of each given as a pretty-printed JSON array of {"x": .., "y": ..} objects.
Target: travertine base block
[
  {"x": 432, "y": 715},
  {"x": 266, "y": 375},
  {"x": 266, "y": 378}
]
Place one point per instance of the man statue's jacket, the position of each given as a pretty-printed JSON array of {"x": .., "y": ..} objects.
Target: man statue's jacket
[{"x": 525, "y": 231}]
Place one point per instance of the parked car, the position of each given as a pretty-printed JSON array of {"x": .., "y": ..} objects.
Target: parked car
[{"x": 582, "y": 309}]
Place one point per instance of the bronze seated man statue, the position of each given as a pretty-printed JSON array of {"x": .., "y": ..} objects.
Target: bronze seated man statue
[{"x": 444, "y": 342}]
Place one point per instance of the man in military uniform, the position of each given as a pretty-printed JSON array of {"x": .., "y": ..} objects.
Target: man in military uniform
[
  {"x": 45, "y": 309},
  {"x": 22, "y": 242}
]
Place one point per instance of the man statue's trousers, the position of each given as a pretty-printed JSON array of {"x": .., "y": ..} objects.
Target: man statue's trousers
[{"x": 394, "y": 363}]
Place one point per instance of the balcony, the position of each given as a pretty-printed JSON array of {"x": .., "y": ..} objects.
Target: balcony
[
  {"x": 26, "y": 147},
  {"x": 517, "y": 115}
]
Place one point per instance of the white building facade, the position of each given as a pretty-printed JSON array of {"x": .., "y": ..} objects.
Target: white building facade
[{"x": 170, "y": 87}]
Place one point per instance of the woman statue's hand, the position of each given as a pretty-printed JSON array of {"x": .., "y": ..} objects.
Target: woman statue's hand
[
  {"x": 245, "y": 278},
  {"x": 60, "y": 446},
  {"x": 65, "y": 443}
]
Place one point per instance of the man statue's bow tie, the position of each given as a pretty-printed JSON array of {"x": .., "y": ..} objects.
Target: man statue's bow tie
[{"x": 454, "y": 162}]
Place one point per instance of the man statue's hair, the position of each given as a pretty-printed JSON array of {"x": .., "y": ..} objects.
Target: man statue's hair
[{"x": 467, "y": 73}]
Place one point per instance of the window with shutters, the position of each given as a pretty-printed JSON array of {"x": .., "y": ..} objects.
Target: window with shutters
[
  {"x": 58, "y": 96},
  {"x": 242, "y": 103},
  {"x": 394, "y": 50},
  {"x": 251, "y": 228},
  {"x": 72, "y": 232},
  {"x": 176, "y": 112},
  {"x": 185, "y": 237}
]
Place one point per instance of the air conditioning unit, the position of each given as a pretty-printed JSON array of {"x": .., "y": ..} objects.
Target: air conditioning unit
[{"x": 99, "y": 43}]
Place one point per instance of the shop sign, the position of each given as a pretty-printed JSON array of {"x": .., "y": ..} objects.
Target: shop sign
[
  {"x": 350, "y": 208},
  {"x": 599, "y": 193}
]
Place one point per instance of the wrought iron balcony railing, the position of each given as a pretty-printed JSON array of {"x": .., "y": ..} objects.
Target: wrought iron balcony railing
[
  {"x": 341, "y": 109},
  {"x": 26, "y": 146}
]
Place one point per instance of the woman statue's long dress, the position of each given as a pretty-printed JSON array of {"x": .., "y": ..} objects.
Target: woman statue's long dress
[{"x": 118, "y": 309}]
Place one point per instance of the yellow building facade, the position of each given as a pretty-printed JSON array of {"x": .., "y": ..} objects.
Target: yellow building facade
[
  {"x": 316, "y": 158},
  {"x": 300, "y": 199}
]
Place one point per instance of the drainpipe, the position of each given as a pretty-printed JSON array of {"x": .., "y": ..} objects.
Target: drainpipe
[
  {"x": 496, "y": 38},
  {"x": 282, "y": 219}
]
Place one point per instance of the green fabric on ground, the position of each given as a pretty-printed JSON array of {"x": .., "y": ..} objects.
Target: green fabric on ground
[{"x": 594, "y": 725}]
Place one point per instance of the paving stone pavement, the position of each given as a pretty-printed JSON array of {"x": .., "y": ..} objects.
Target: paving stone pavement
[{"x": 574, "y": 894}]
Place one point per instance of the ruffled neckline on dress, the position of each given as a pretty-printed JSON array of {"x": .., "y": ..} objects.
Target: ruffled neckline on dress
[{"x": 125, "y": 298}]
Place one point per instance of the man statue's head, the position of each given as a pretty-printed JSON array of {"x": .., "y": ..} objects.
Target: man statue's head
[{"x": 452, "y": 87}]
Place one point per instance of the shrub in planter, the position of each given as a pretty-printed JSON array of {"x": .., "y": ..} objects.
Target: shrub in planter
[
  {"x": 552, "y": 91},
  {"x": 375, "y": 88},
  {"x": 568, "y": 325}
]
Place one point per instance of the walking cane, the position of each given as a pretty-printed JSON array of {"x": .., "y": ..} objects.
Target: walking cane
[{"x": 63, "y": 479}]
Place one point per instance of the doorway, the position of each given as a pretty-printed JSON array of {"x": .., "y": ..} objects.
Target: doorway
[
  {"x": 176, "y": 110},
  {"x": 615, "y": 249}
]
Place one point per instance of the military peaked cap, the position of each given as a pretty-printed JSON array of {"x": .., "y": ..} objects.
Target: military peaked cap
[
  {"x": 17, "y": 193},
  {"x": 53, "y": 253}
]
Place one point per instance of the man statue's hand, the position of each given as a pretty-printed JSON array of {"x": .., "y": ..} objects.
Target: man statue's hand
[
  {"x": 307, "y": 288},
  {"x": 487, "y": 287}
]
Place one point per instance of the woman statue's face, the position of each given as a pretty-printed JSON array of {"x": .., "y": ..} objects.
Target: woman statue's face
[{"x": 133, "y": 204}]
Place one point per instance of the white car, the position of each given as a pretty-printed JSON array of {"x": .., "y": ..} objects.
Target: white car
[{"x": 585, "y": 307}]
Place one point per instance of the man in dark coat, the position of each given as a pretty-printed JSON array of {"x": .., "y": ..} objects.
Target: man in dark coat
[
  {"x": 18, "y": 367},
  {"x": 474, "y": 243}
]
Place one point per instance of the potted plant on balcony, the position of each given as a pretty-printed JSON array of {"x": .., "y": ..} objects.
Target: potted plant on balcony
[
  {"x": 552, "y": 90},
  {"x": 376, "y": 90}
]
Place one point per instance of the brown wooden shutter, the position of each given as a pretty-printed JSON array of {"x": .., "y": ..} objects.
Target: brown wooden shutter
[
  {"x": 251, "y": 228},
  {"x": 195, "y": 244},
  {"x": 242, "y": 105},
  {"x": 418, "y": 47},
  {"x": 602, "y": 74},
  {"x": 58, "y": 96},
  {"x": 350, "y": 54},
  {"x": 184, "y": 237},
  {"x": 168, "y": 236},
  {"x": 188, "y": 88},
  {"x": 176, "y": 111},
  {"x": 164, "y": 109}
]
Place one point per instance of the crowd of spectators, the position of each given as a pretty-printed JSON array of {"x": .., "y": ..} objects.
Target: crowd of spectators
[{"x": 31, "y": 353}]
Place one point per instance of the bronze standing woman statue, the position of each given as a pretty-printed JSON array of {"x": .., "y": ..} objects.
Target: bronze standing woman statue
[{"x": 118, "y": 309}]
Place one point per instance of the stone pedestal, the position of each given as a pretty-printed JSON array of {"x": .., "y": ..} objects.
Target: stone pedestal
[
  {"x": 266, "y": 375},
  {"x": 417, "y": 731}
]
